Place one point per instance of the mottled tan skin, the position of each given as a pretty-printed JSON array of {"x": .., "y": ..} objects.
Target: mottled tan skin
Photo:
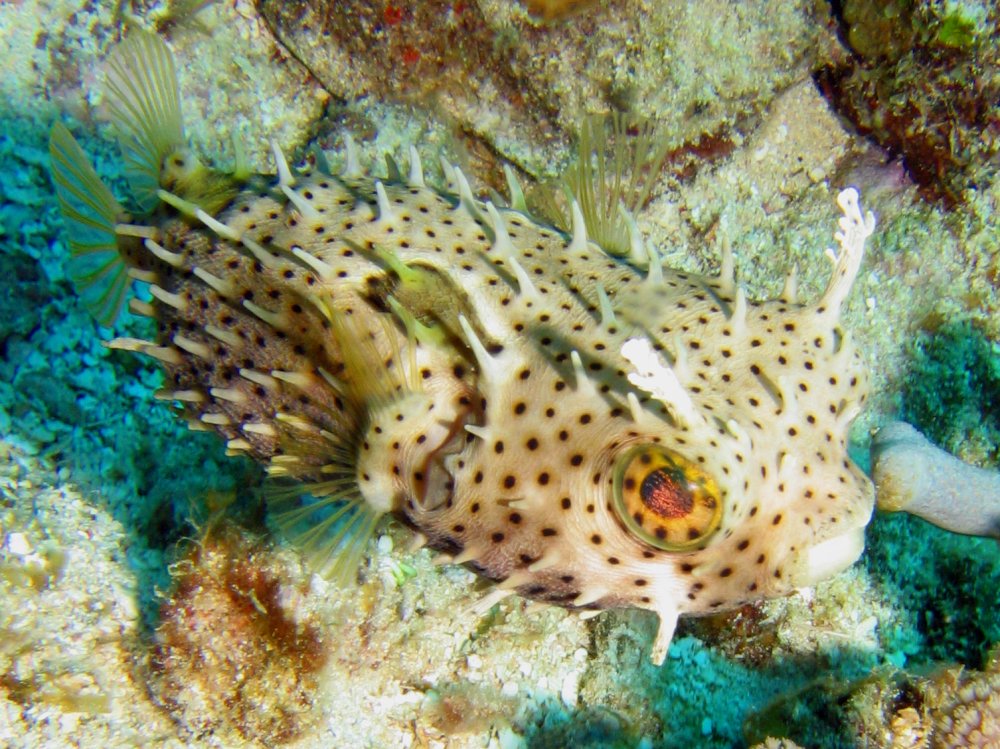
[{"x": 528, "y": 499}]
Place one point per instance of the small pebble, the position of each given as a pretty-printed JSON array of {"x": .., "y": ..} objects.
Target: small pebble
[
  {"x": 570, "y": 689},
  {"x": 17, "y": 543}
]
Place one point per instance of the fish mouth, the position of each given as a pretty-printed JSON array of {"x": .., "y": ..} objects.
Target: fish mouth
[
  {"x": 829, "y": 557},
  {"x": 438, "y": 466}
]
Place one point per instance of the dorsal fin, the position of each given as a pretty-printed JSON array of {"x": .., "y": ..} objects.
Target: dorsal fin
[
  {"x": 617, "y": 166},
  {"x": 145, "y": 108}
]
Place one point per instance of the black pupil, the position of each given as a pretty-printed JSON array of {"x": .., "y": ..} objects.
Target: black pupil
[{"x": 664, "y": 495}]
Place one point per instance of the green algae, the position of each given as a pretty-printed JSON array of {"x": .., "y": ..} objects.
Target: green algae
[{"x": 952, "y": 392}]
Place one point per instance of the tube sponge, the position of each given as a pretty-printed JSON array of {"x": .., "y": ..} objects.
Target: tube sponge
[{"x": 913, "y": 475}]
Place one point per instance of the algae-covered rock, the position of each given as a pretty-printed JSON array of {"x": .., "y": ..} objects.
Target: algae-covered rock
[
  {"x": 924, "y": 82},
  {"x": 504, "y": 84}
]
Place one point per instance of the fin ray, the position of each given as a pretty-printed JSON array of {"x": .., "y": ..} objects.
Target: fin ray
[
  {"x": 145, "y": 108},
  {"x": 331, "y": 532},
  {"x": 90, "y": 212}
]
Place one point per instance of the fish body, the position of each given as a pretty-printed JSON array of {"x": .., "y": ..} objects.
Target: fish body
[{"x": 585, "y": 430}]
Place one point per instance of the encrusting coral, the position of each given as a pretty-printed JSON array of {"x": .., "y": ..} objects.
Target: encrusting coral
[
  {"x": 965, "y": 706},
  {"x": 913, "y": 475}
]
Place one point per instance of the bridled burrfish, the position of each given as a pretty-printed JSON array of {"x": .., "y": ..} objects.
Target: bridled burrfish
[{"x": 585, "y": 429}]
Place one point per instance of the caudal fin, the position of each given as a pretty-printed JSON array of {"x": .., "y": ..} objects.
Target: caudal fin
[{"x": 90, "y": 212}]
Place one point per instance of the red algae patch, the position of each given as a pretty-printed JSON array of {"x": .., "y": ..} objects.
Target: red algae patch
[{"x": 231, "y": 656}]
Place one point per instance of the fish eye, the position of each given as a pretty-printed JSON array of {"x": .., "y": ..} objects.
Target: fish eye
[{"x": 665, "y": 499}]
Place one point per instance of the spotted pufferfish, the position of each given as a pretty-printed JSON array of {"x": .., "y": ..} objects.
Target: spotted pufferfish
[{"x": 584, "y": 429}]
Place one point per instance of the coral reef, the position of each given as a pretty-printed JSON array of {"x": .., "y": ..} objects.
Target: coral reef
[
  {"x": 109, "y": 482},
  {"x": 914, "y": 476},
  {"x": 948, "y": 707}
]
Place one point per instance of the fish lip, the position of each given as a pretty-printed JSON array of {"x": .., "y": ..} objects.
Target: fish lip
[{"x": 828, "y": 557}]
